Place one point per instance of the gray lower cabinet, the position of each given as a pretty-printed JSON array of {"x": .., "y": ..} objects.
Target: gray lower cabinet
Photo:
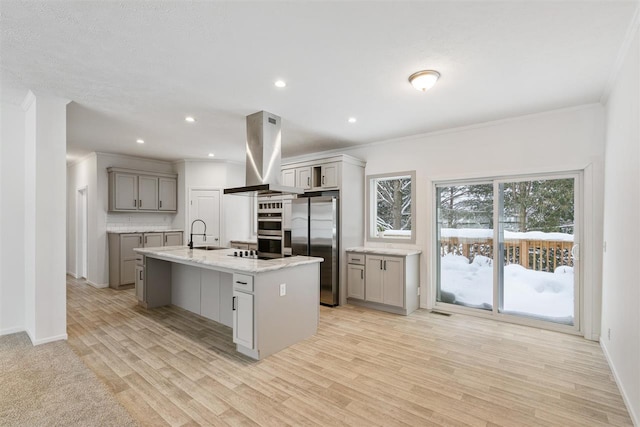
[
  {"x": 123, "y": 260},
  {"x": 384, "y": 282},
  {"x": 355, "y": 280},
  {"x": 242, "y": 305},
  {"x": 173, "y": 238}
]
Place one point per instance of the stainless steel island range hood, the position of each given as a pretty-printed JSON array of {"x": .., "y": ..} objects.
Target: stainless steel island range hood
[{"x": 263, "y": 158}]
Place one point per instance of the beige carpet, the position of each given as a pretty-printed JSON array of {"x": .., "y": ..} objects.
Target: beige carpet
[{"x": 49, "y": 385}]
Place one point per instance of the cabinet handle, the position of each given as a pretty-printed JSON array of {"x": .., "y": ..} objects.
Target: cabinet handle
[
  {"x": 362, "y": 274},
  {"x": 240, "y": 283},
  {"x": 385, "y": 265},
  {"x": 308, "y": 181},
  {"x": 355, "y": 259},
  {"x": 140, "y": 203},
  {"x": 165, "y": 238},
  {"x": 140, "y": 240},
  {"x": 140, "y": 274},
  {"x": 380, "y": 264},
  {"x": 145, "y": 240},
  {"x": 135, "y": 203},
  {"x": 233, "y": 303},
  {"x": 322, "y": 179}
]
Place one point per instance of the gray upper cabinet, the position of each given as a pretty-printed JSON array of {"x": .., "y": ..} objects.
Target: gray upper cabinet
[
  {"x": 303, "y": 177},
  {"x": 126, "y": 198},
  {"x": 168, "y": 189},
  {"x": 135, "y": 191},
  {"x": 329, "y": 175},
  {"x": 289, "y": 177},
  {"x": 147, "y": 193}
]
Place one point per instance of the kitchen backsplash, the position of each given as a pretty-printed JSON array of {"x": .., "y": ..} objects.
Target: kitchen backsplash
[{"x": 120, "y": 221}]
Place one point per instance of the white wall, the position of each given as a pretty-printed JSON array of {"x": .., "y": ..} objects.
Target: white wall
[
  {"x": 33, "y": 285},
  {"x": 563, "y": 140},
  {"x": 621, "y": 270},
  {"x": 12, "y": 303},
  {"x": 235, "y": 222},
  {"x": 81, "y": 174}
]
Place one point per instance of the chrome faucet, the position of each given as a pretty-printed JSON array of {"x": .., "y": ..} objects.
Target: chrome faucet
[{"x": 191, "y": 232}]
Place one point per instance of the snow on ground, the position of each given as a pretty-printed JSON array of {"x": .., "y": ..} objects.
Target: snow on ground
[
  {"x": 487, "y": 233},
  {"x": 539, "y": 293}
]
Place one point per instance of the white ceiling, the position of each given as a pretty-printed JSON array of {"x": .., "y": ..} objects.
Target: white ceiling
[{"x": 136, "y": 69}]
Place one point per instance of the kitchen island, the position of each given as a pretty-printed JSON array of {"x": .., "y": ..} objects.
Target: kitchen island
[{"x": 269, "y": 304}]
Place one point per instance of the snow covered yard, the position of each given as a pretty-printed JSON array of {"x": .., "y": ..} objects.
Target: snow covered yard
[{"x": 538, "y": 293}]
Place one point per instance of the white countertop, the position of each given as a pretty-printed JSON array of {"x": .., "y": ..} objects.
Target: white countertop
[
  {"x": 220, "y": 259},
  {"x": 142, "y": 231},
  {"x": 384, "y": 251}
]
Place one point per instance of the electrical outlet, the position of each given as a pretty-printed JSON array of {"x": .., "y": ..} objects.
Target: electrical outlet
[
  {"x": 283, "y": 289},
  {"x": 609, "y": 334}
]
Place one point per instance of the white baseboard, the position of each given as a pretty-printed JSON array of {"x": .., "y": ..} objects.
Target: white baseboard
[
  {"x": 10, "y": 331},
  {"x": 49, "y": 339},
  {"x": 72, "y": 274},
  {"x": 97, "y": 285},
  {"x": 635, "y": 418}
]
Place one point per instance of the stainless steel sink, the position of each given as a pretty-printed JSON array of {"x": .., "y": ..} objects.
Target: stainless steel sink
[{"x": 209, "y": 248}]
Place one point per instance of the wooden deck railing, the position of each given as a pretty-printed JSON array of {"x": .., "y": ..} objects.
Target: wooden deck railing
[{"x": 539, "y": 255}]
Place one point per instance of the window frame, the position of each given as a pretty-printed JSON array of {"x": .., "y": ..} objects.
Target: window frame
[{"x": 371, "y": 210}]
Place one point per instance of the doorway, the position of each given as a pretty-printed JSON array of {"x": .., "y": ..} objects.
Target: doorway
[
  {"x": 509, "y": 248},
  {"x": 204, "y": 204},
  {"x": 82, "y": 234}
]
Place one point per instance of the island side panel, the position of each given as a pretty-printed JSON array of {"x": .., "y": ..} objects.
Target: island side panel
[
  {"x": 281, "y": 321},
  {"x": 157, "y": 282}
]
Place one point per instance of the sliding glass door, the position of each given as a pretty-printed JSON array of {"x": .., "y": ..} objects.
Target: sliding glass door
[{"x": 509, "y": 247}]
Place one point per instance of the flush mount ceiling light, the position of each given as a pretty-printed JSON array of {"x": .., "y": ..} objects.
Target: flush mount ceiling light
[
  {"x": 280, "y": 83},
  {"x": 211, "y": 154},
  {"x": 140, "y": 141},
  {"x": 352, "y": 120},
  {"x": 189, "y": 119},
  {"x": 424, "y": 80}
]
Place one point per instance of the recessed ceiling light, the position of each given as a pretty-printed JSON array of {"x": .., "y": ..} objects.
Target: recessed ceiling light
[
  {"x": 280, "y": 83},
  {"x": 424, "y": 80},
  {"x": 211, "y": 154},
  {"x": 352, "y": 120},
  {"x": 189, "y": 119},
  {"x": 140, "y": 141}
]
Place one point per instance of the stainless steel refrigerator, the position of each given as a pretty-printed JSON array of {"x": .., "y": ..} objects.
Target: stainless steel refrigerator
[{"x": 314, "y": 232}]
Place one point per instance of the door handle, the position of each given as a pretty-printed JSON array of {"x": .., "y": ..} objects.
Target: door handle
[
  {"x": 575, "y": 251},
  {"x": 233, "y": 303}
]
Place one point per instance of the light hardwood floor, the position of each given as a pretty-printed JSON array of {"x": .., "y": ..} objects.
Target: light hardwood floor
[{"x": 363, "y": 368}]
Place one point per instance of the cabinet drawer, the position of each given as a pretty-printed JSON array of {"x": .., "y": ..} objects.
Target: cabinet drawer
[
  {"x": 242, "y": 282},
  {"x": 355, "y": 258}
]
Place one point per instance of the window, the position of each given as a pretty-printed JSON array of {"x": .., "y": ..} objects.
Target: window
[{"x": 391, "y": 213}]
